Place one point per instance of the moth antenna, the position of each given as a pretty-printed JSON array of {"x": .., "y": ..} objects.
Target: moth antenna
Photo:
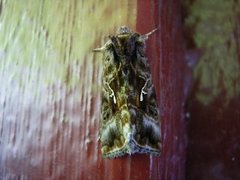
[
  {"x": 103, "y": 48},
  {"x": 145, "y": 36}
]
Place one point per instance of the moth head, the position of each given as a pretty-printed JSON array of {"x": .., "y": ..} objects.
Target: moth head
[{"x": 123, "y": 30}]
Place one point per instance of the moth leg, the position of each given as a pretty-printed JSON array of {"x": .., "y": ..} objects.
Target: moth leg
[{"x": 111, "y": 93}]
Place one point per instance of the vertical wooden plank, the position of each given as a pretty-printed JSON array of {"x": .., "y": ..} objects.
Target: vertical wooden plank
[{"x": 165, "y": 54}]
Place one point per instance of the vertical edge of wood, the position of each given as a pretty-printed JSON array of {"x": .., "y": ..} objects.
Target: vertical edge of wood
[{"x": 166, "y": 58}]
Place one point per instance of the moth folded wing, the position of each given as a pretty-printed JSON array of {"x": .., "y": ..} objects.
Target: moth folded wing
[
  {"x": 110, "y": 141},
  {"x": 115, "y": 135},
  {"x": 146, "y": 134},
  {"x": 115, "y": 121},
  {"x": 115, "y": 129},
  {"x": 146, "y": 125},
  {"x": 152, "y": 116},
  {"x": 151, "y": 131},
  {"x": 110, "y": 129}
]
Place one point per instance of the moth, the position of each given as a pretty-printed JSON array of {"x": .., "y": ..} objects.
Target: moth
[{"x": 130, "y": 121}]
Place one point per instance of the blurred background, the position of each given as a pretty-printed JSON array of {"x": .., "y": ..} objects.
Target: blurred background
[{"x": 212, "y": 38}]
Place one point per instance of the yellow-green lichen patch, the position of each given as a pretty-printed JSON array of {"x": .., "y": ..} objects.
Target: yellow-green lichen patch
[{"x": 215, "y": 23}]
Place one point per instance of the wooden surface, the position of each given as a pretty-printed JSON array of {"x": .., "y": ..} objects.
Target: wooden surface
[{"x": 50, "y": 88}]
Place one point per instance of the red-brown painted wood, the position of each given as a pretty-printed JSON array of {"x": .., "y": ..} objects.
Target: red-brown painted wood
[
  {"x": 165, "y": 53},
  {"x": 53, "y": 134}
]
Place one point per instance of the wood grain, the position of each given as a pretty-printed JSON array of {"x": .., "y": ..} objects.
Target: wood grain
[{"x": 50, "y": 88}]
